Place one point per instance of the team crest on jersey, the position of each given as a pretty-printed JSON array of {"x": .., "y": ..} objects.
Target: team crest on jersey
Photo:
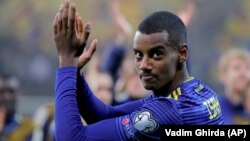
[{"x": 144, "y": 122}]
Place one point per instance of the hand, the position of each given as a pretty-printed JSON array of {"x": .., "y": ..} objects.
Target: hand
[
  {"x": 87, "y": 53},
  {"x": 70, "y": 35}
]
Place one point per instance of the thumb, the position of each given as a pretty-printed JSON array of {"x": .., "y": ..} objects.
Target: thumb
[{"x": 87, "y": 54}]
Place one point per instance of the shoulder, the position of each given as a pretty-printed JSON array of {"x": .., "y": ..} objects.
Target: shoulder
[
  {"x": 161, "y": 102},
  {"x": 164, "y": 109},
  {"x": 148, "y": 98},
  {"x": 153, "y": 116},
  {"x": 196, "y": 91},
  {"x": 198, "y": 100},
  {"x": 196, "y": 95}
]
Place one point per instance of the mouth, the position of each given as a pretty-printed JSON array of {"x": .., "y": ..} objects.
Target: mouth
[{"x": 147, "y": 77}]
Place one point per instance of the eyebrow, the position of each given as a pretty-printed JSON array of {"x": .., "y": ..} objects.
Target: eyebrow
[
  {"x": 160, "y": 47},
  {"x": 136, "y": 50}
]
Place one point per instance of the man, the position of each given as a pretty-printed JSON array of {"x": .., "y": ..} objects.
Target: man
[
  {"x": 160, "y": 54},
  {"x": 13, "y": 126},
  {"x": 234, "y": 68}
]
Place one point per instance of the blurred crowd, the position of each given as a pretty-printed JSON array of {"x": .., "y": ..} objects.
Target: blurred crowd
[{"x": 113, "y": 79}]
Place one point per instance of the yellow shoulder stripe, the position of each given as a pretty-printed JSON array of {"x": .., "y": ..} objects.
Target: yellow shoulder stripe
[
  {"x": 175, "y": 94},
  {"x": 199, "y": 88}
]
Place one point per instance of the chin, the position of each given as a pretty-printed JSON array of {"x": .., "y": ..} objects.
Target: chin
[{"x": 149, "y": 86}]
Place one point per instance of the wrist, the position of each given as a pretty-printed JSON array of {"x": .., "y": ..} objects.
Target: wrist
[{"x": 68, "y": 61}]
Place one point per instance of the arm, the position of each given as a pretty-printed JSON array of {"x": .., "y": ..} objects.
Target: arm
[
  {"x": 69, "y": 40},
  {"x": 143, "y": 124},
  {"x": 92, "y": 109},
  {"x": 67, "y": 118}
]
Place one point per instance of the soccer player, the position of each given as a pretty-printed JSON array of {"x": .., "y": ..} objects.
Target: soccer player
[{"x": 160, "y": 48}]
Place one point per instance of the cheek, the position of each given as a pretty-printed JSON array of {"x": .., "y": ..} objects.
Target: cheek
[
  {"x": 137, "y": 65},
  {"x": 167, "y": 70},
  {"x": 169, "y": 66}
]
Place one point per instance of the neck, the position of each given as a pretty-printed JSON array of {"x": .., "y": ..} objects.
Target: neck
[{"x": 180, "y": 76}]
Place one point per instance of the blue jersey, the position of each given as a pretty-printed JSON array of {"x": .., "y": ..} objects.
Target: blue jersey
[{"x": 191, "y": 103}]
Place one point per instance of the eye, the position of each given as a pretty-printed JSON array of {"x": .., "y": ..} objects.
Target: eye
[
  {"x": 157, "y": 54},
  {"x": 138, "y": 55}
]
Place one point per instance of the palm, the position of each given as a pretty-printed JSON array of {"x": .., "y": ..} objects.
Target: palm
[{"x": 71, "y": 35}]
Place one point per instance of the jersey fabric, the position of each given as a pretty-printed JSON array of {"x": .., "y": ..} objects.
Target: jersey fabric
[{"x": 191, "y": 103}]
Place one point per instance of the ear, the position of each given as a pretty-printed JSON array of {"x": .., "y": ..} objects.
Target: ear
[{"x": 183, "y": 53}]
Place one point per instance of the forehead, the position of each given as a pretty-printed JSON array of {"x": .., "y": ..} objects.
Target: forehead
[{"x": 150, "y": 40}]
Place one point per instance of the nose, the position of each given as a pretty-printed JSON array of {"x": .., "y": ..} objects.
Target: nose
[{"x": 145, "y": 64}]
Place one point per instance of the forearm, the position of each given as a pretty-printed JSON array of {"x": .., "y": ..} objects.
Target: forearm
[
  {"x": 67, "y": 119},
  {"x": 68, "y": 122},
  {"x": 91, "y": 108}
]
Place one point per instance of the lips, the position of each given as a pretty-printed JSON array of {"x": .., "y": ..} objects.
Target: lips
[{"x": 147, "y": 77}]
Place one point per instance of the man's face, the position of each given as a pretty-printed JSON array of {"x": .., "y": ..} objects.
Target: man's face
[
  {"x": 155, "y": 59},
  {"x": 237, "y": 74}
]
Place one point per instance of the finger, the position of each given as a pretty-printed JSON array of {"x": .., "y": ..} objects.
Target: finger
[
  {"x": 59, "y": 21},
  {"x": 83, "y": 38},
  {"x": 65, "y": 14},
  {"x": 80, "y": 27},
  {"x": 72, "y": 16},
  {"x": 87, "y": 54},
  {"x": 92, "y": 48},
  {"x": 86, "y": 32},
  {"x": 82, "y": 61},
  {"x": 76, "y": 23},
  {"x": 61, "y": 8},
  {"x": 55, "y": 24}
]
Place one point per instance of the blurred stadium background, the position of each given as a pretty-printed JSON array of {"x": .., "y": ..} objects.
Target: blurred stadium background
[{"x": 27, "y": 49}]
